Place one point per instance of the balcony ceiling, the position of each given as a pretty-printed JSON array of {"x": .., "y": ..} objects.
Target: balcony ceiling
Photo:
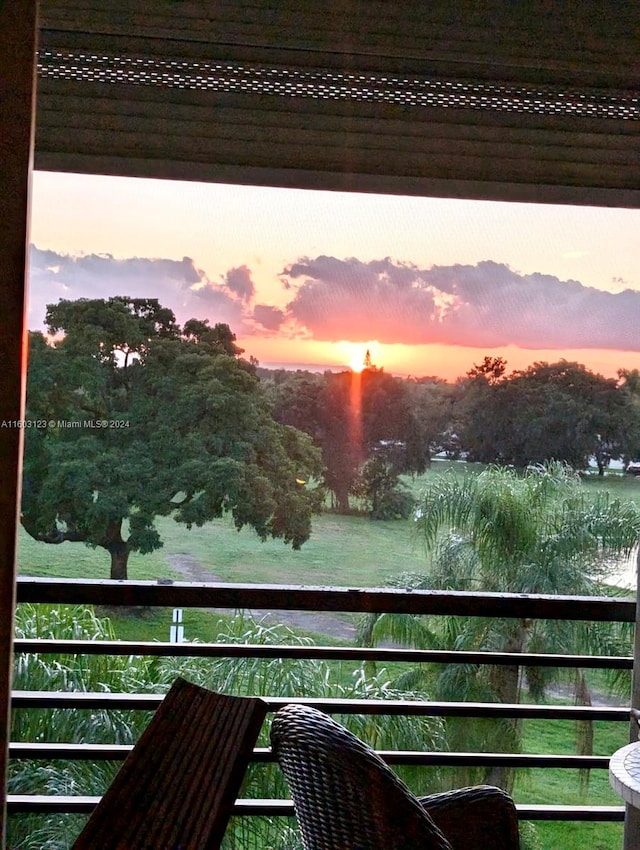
[{"x": 534, "y": 101}]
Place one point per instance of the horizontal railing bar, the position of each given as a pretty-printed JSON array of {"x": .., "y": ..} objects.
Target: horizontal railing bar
[
  {"x": 326, "y": 653},
  {"x": 69, "y": 752},
  {"x": 45, "y": 804},
  {"x": 39, "y": 804},
  {"x": 526, "y": 760},
  {"x": 299, "y": 598},
  {"x": 118, "y": 752},
  {"x": 423, "y": 708},
  {"x": 570, "y": 813}
]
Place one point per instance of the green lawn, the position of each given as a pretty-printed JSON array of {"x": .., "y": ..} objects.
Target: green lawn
[
  {"x": 563, "y": 786},
  {"x": 75, "y": 560},
  {"x": 620, "y": 486},
  {"x": 342, "y": 550},
  {"x": 371, "y": 550}
]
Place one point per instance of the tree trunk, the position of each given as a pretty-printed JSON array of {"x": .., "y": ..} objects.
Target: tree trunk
[
  {"x": 118, "y": 549},
  {"x": 506, "y": 679},
  {"x": 584, "y": 728},
  {"x": 342, "y": 501},
  {"x": 119, "y": 561},
  {"x": 506, "y": 682}
]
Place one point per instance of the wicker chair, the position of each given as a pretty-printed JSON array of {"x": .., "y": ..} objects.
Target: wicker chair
[{"x": 347, "y": 798}]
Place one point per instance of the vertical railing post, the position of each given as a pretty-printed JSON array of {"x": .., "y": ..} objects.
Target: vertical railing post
[
  {"x": 18, "y": 31},
  {"x": 632, "y": 815}
]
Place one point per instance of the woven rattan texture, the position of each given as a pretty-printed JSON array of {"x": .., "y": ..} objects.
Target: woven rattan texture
[
  {"x": 347, "y": 798},
  {"x": 482, "y": 817}
]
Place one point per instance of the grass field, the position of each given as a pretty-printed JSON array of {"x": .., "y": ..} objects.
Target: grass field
[
  {"x": 563, "y": 786},
  {"x": 343, "y": 550}
]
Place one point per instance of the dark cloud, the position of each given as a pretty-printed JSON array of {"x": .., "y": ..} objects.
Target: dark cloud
[
  {"x": 240, "y": 283},
  {"x": 269, "y": 317},
  {"x": 177, "y": 284},
  {"x": 486, "y": 305},
  {"x": 348, "y": 299}
]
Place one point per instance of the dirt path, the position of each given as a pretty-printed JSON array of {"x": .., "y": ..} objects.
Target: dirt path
[
  {"x": 309, "y": 621},
  {"x": 598, "y": 698}
]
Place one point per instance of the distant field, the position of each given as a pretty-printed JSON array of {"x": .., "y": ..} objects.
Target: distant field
[
  {"x": 620, "y": 486},
  {"x": 342, "y": 550}
]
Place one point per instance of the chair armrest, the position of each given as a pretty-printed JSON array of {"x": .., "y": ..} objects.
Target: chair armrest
[{"x": 479, "y": 817}]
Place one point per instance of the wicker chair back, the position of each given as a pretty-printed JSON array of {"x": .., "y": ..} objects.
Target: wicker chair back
[{"x": 345, "y": 796}]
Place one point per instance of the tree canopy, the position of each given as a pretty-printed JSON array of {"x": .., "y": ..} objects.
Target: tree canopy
[
  {"x": 560, "y": 411},
  {"x": 548, "y": 411},
  {"x": 137, "y": 418},
  {"x": 357, "y": 417}
]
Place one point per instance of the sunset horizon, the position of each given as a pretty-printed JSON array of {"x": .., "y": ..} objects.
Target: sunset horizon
[{"x": 312, "y": 280}]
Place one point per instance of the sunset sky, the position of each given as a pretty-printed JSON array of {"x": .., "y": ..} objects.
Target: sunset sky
[{"x": 312, "y": 279}]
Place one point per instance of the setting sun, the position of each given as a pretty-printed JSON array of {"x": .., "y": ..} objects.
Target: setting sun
[
  {"x": 356, "y": 364},
  {"x": 358, "y": 355}
]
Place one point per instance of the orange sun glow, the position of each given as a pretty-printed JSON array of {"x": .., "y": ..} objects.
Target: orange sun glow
[{"x": 356, "y": 354}]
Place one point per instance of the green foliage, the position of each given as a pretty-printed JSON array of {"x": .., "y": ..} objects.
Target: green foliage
[
  {"x": 560, "y": 411},
  {"x": 68, "y": 673},
  {"x": 277, "y": 677},
  {"x": 540, "y": 532},
  {"x": 351, "y": 417},
  {"x": 629, "y": 385},
  {"x": 138, "y": 419},
  {"x": 432, "y": 412},
  {"x": 378, "y": 485},
  {"x": 74, "y": 673}
]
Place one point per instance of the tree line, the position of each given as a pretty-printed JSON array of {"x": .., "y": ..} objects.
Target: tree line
[
  {"x": 550, "y": 411},
  {"x": 561, "y": 411}
]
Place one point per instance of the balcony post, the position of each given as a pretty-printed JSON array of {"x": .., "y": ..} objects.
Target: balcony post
[
  {"x": 18, "y": 32},
  {"x": 632, "y": 815}
]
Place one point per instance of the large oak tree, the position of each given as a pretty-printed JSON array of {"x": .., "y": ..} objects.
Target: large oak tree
[{"x": 137, "y": 418}]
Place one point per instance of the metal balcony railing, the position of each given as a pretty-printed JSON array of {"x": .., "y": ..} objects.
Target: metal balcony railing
[{"x": 248, "y": 597}]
